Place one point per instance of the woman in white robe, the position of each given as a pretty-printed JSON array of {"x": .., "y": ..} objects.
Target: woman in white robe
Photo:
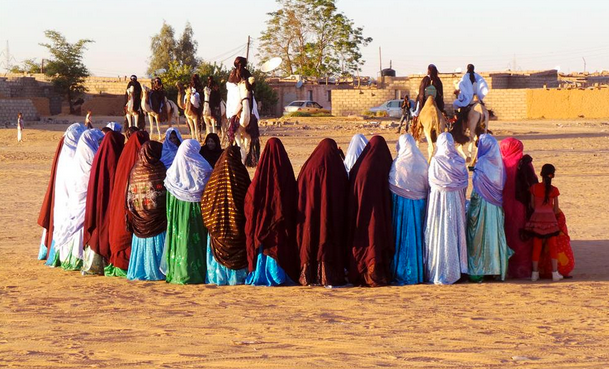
[{"x": 356, "y": 146}]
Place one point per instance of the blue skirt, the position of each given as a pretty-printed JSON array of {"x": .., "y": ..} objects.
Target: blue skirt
[
  {"x": 409, "y": 233},
  {"x": 220, "y": 275},
  {"x": 145, "y": 259},
  {"x": 268, "y": 273}
]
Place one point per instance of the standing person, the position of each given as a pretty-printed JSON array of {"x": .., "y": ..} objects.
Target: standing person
[
  {"x": 61, "y": 214},
  {"x": 88, "y": 120},
  {"x": 19, "y": 127},
  {"x": 445, "y": 236},
  {"x": 137, "y": 92},
  {"x": 321, "y": 230},
  {"x": 45, "y": 217},
  {"x": 409, "y": 189},
  {"x": 70, "y": 236},
  {"x": 215, "y": 102},
  {"x": 270, "y": 210},
  {"x": 223, "y": 215},
  {"x": 184, "y": 260},
  {"x": 543, "y": 224},
  {"x": 146, "y": 213},
  {"x": 520, "y": 176},
  {"x": 370, "y": 238},
  {"x": 356, "y": 146},
  {"x": 101, "y": 182},
  {"x": 172, "y": 141},
  {"x": 431, "y": 85},
  {"x": 406, "y": 106},
  {"x": 211, "y": 150},
  {"x": 487, "y": 249},
  {"x": 119, "y": 236}
]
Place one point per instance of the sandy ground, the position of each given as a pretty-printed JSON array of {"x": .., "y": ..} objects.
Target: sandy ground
[{"x": 51, "y": 319}]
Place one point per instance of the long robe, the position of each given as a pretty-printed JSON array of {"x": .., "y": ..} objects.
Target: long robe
[
  {"x": 445, "y": 235},
  {"x": 370, "y": 238},
  {"x": 467, "y": 90},
  {"x": 223, "y": 215},
  {"x": 520, "y": 264},
  {"x": 120, "y": 237},
  {"x": 101, "y": 183},
  {"x": 321, "y": 230},
  {"x": 409, "y": 186},
  {"x": 185, "y": 255},
  {"x": 45, "y": 218},
  {"x": 270, "y": 209}
]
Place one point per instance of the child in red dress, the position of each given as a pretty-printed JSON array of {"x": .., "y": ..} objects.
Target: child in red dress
[{"x": 543, "y": 224}]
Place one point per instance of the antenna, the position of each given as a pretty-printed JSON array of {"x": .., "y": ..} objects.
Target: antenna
[
  {"x": 8, "y": 58},
  {"x": 247, "y": 53}
]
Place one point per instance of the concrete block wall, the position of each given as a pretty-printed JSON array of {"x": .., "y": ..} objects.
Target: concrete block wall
[
  {"x": 355, "y": 101},
  {"x": 9, "y": 108},
  {"x": 509, "y": 104}
]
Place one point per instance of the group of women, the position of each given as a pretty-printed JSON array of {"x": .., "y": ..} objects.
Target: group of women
[{"x": 176, "y": 211}]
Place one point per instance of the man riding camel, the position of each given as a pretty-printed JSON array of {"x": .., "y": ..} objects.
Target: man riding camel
[
  {"x": 472, "y": 84},
  {"x": 157, "y": 99},
  {"x": 137, "y": 92},
  {"x": 431, "y": 85}
]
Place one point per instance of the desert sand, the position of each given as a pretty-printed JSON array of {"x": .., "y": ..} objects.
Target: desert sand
[{"x": 50, "y": 318}]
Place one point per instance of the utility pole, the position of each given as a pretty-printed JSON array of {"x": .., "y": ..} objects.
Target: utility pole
[
  {"x": 584, "y": 59},
  {"x": 247, "y": 53},
  {"x": 381, "y": 69}
]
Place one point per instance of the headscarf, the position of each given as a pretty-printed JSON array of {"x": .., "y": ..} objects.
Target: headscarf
[
  {"x": 78, "y": 182},
  {"x": 321, "y": 232},
  {"x": 169, "y": 148},
  {"x": 211, "y": 155},
  {"x": 408, "y": 176},
  {"x": 356, "y": 146},
  {"x": 114, "y": 126},
  {"x": 146, "y": 194},
  {"x": 65, "y": 165},
  {"x": 489, "y": 175},
  {"x": 120, "y": 237},
  {"x": 101, "y": 183},
  {"x": 270, "y": 208},
  {"x": 222, "y": 209},
  {"x": 447, "y": 169},
  {"x": 370, "y": 237},
  {"x": 188, "y": 175},
  {"x": 45, "y": 218}
]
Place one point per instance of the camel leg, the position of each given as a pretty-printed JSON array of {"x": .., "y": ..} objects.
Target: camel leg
[
  {"x": 430, "y": 147},
  {"x": 128, "y": 120},
  {"x": 158, "y": 129},
  {"x": 136, "y": 118},
  {"x": 460, "y": 151}
]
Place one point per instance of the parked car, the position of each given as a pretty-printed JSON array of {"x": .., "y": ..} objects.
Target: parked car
[
  {"x": 392, "y": 107},
  {"x": 308, "y": 106}
]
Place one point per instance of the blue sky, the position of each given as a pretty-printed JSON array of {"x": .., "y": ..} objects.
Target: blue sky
[{"x": 490, "y": 34}]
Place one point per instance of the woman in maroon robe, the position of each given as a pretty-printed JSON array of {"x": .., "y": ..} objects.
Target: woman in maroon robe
[
  {"x": 101, "y": 183},
  {"x": 321, "y": 228},
  {"x": 270, "y": 227},
  {"x": 370, "y": 238},
  {"x": 45, "y": 219},
  {"x": 120, "y": 237}
]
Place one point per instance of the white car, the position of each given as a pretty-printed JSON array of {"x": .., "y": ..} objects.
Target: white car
[
  {"x": 308, "y": 106},
  {"x": 392, "y": 107}
]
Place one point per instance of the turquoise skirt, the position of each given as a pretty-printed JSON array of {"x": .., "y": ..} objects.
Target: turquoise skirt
[
  {"x": 268, "y": 273},
  {"x": 221, "y": 275},
  {"x": 409, "y": 233},
  {"x": 146, "y": 257}
]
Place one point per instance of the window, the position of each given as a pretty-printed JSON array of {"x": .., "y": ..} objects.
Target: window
[
  {"x": 310, "y": 94},
  {"x": 309, "y": 104},
  {"x": 329, "y": 95},
  {"x": 316, "y": 105},
  {"x": 393, "y": 104},
  {"x": 296, "y": 103}
]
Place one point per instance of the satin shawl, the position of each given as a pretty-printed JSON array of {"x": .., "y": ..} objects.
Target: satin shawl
[
  {"x": 447, "y": 169},
  {"x": 408, "y": 175},
  {"x": 189, "y": 173},
  {"x": 489, "y": 174},
  {"x": 169, "y": 148}
]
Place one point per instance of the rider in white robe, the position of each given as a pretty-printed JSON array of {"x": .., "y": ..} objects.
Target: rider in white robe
[{"x": 467, "y": 88}]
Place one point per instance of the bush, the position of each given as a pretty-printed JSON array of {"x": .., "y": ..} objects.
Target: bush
[{"x": 379, "y": 114}]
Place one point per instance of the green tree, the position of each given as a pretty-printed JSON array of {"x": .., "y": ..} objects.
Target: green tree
[
  {"x": 186, "y": 48},
  {"x": 66, "y": 68},
  {"x": 163, "y": 49},
  {"x": 313, "y": 38},
  {"x": 27, "y": 66},
  {"x": 175, "y": 73}
]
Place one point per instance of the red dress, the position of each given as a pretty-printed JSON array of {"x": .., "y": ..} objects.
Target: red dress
[
  {"x": 543, "y": 222},
  {"x": 566, "y": 260}
]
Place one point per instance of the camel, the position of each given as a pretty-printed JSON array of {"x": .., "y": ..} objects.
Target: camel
[
  {"x": 172, "y": 112},
  {"x": 250, "y": 147},
  {"x": 432, "y": 122},
  {"x": 193, "y": 117},
  {"x": 476, "y": 123},
  {"x": 210, "y": 121}
]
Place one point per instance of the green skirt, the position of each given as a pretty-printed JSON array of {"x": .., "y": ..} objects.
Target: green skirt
[
  {"x": 185, "y": 242},
  {"x": 487, "y": 248}
]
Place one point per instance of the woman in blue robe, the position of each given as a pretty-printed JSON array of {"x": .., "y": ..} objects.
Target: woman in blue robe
[
  {"x": 409, "y": 189},
  {"x": 445, "y": 240},
  {"x": 487, "y": 248}
]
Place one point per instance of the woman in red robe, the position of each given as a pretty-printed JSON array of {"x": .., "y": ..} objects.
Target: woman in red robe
[
  {"x": 370, "y": 236},
  {"x": 120, "y": 237}
]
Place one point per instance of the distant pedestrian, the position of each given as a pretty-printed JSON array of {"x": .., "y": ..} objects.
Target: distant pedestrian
[
  {"x": 406, "y": 115},
  {"x": 88, "y": 120},
  {"x": 19, "y": 127}
]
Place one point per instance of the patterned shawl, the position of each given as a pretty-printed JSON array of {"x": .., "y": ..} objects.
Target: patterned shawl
[
  {"x": 222, "y": 209},
  {"x": 146, "y": 193}
]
